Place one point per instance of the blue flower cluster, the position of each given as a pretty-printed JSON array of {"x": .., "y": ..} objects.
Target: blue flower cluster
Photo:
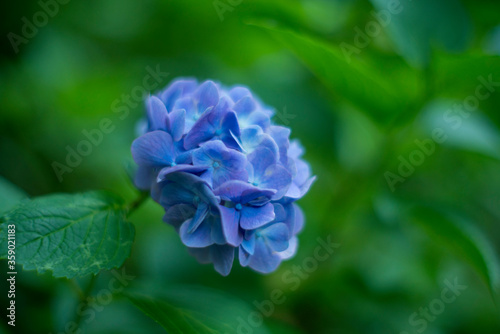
[{"x": 225, "y": 175}]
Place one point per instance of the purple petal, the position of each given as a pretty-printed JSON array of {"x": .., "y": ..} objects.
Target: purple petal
[
  {"x": 252, "y": 218},
  {"x": 153, "y": 149}
]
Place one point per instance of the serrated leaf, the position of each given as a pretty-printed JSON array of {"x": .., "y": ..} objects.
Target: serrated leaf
[
  {"x": 360, "y": 84},
  {"x": 70, "y": 235},
  {"x": 9, "y": 195},
  {"x": 462, "y": 239},
  {"x": 195, "y": 310}
]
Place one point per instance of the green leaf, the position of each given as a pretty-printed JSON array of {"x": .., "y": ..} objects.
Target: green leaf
[
  {"x": 474, "y": 70},
  {"x": 70, "y": 235},
  {"x": 196, "y": 310},
  {"x": 364, "y": 86},
  {"x": 413, "y": 27},
  {"x": 462, "y": 239},
  {"x": 9, "y": 195}
]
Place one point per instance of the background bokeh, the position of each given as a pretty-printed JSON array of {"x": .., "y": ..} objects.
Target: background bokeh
[{"x": 358, "y": 117}]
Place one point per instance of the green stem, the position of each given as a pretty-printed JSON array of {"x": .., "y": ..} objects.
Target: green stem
[
  {"x": 83, "y": 296},
  {"x": 137, "y": 202}
]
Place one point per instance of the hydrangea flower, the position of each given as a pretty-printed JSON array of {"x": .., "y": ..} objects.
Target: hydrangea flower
[{"x": 227, "y": 177}]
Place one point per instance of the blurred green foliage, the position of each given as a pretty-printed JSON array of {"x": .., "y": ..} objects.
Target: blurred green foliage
[{"x": 358, "y": 113}]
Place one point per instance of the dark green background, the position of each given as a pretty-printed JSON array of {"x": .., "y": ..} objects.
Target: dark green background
[{"x": 355, "y": 120}]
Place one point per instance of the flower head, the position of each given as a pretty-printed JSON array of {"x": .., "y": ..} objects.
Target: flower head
[{"x": 226, "y": 176}]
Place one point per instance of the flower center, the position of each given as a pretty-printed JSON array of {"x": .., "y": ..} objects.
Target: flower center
[
  {"x": 216, "y": 164},
  {"x": 238, "y": 206},
  {"x": 218, "y": 132},
  {"x": 173, "y": 164}
]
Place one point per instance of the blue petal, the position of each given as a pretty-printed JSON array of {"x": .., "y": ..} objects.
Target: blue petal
[
  {"x": 153, "y": 149},
  {"x": 204, "y": 129},
  {"x": 187, "y": 103},
  {"x": 249, "y": 245},
  {"x": 172, "y": 194},
  {"x": 180, "y": 168},
  {"x": 279, "y": 212},
  {"x": 201, "y": 254},
  {"x": 230, "y": 225},
  {"x": 259, "y": 118},
  {"x": 209, "y": 152},
  {"x": 291, "y": 250},
  {"x": 253, "y": 137},
  {"x": 278, "y": 178},
  {"x": 176, "y": 90},
  {"x": 193, "y": 185},
  {"x": 264, "y": 259},
  {"x": 207, "y": 95},
  {"x": 229, "y": 130},
  {"x": 222, "y": 258},
  {"x": 244, "y": 106},
  {"x": 261, "y": 158},
  {"x": 299, "y": 219},
  {"x": 281, "y": 135},
  {"x": 276, "y": 237},
  {"x": 243, "y": 256},
  {"x": 199, "y": 216},
  {"x": 252, "y": 218},
  {"x": 217, "y": 233},
  {"x": 199, "y": 238},
  {"x": 178, "y": 214},
  {"x": 305, "y": 187},
  {"x": 241, "y": 192},
  {"x": 177, "y": 123},
  {"x": 157, "y": 114},
  {"x": 237, "y": 93},
  {"x": 144, "y": 177},
  {"x": 293, "y": 191},
  {"x": 296, "y": 150}
]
